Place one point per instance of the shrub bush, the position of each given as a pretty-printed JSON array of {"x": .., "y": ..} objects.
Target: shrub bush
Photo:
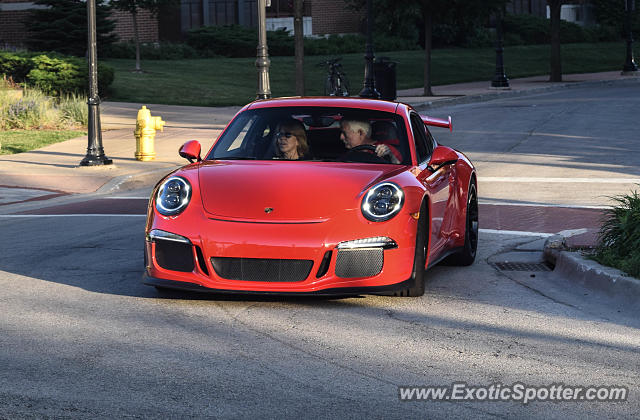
[
  {"x": 529, "y": 29},
  {"x": 239, "y": 41},
  {"x": 228, "y": 41},
  {"x": 32, "y": 109},
  {"x": 52, "y": 73},
  {"x": 73, "y": 110},
  {"x": 480, "y": 37},
  {"x": 15, "y": 65},
  {"x": 619, "y": 244},
  {"x": 153, "y": 51}
]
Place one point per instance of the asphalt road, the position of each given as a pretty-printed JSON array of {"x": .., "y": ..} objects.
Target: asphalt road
[
  {"x": 576, "y": 146},
  {"x": 81, "y": 337}
]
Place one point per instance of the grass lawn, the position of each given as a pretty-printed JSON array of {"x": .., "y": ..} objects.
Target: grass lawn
[
  {"x": 233, "y": 81},
  {"x": 18, "y": 141}
]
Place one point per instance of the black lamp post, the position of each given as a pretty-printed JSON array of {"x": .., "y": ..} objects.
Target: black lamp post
[
  {"x": 95, "y": 152},
  {"x": 369, "y": 85},
  {"x": 262, "y": 60},
  {"x": 500, "y": 78},
  {"x": 630, "y": 67}
]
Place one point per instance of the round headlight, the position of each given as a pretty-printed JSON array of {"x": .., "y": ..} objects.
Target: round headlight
[
  {"x": 382, "y": 202},
  {"x": 173, "y": 196}
]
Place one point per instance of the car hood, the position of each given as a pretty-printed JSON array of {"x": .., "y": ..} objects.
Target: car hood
[{"x": 295, "y": 192}]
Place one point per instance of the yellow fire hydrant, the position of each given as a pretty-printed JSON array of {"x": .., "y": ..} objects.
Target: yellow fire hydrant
[{"x": 145, "y": 132}]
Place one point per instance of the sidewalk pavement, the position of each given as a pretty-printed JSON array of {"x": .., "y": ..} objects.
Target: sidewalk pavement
[{"x": 53, "y": 170}]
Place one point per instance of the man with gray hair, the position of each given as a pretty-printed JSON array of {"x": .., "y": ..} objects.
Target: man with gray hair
[{"x": 356, "y": 133}]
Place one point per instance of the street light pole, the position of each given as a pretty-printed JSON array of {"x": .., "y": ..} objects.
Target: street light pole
[
  {"x": 95, "y": 152},
  {"x": 500, "y": 78},
  {"x": 262, "y": 61},
  {"x": 630, "y": 67},
  {"x": 369, "y": 85}
]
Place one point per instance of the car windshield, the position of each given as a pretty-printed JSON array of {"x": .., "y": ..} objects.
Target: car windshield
[{"x": 314, "y": 134}]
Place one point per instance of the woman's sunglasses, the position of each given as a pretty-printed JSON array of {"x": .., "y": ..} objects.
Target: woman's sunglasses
[{"x": 287, "y": 135}]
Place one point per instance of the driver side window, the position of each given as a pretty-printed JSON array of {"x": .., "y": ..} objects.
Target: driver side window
[{"x": 420, "y": 137}]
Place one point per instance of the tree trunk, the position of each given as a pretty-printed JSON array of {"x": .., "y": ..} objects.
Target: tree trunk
[
  {"x": 556, "y": 64},
  {"x": 428, "y": 31},
  {"x": 134, "y": 16},
  {"x": 298, "y": 31}
]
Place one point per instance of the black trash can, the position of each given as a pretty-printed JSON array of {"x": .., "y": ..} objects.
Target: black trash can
[{"x": 385, "y": 76}]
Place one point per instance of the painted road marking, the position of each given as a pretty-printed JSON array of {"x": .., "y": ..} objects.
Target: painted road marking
[
  {"x": 35, "y": 216},
  {"x": 564, "y": 206},
  {"x": 516, "y": 232},
  {"x": 514, "y": 179}
]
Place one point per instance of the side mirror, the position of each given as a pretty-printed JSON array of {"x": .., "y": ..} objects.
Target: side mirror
[
  {"x": 437, "y": 122},
  {"x": 191, "y": 150},
  {"x": 442, "y": 156}
]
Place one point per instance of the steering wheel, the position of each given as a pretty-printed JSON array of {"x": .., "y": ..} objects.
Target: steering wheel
[
  {"x": 363, "y": 148},
  {"x": 364, "y": 153}
]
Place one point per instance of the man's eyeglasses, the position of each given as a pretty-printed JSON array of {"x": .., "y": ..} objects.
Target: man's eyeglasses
[{"x": 283, "y": 134}]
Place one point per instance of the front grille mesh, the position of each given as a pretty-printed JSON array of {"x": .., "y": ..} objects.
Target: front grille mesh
[
  {"x": 262, "y": 269},
  {"x": 365, "y": 262}
]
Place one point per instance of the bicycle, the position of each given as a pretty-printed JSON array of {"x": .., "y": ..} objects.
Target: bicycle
[{"x": 336, "y": 83}]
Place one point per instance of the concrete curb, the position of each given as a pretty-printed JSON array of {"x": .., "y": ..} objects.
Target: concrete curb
[
  {"x": 133, "y": 181},
  {"x": 468, "y": 99},
  {"x": 589, "y": 273}
]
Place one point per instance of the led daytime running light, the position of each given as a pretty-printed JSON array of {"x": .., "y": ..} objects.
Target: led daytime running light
[
  {"x": 157, "y": 234},
  {"x": 377, "y": 242}
]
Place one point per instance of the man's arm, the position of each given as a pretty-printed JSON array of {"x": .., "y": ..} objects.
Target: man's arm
[{"x": 393, "y": 153}]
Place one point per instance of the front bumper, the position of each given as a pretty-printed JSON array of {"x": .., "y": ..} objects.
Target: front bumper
[
  {"x": 213, "y": 240},
  {"x": 340, "y": 291}
]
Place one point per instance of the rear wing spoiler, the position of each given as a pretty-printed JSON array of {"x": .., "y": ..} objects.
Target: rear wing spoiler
[{"x": 437, "y": 122}]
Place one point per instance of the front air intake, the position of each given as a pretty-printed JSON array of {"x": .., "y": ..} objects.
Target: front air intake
[
  {"x": 262, "y": 269},
  {"x": 175, "y": 256},
  {"x": 365, "y": 262}
]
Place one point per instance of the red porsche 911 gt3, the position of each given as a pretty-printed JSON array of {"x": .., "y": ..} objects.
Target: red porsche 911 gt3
[{"x": 314, "y": 196}]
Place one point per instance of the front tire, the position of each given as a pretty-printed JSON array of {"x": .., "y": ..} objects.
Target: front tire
[
  {"x": 468, "y": 253},
  {"x": 416, "y": 287}
]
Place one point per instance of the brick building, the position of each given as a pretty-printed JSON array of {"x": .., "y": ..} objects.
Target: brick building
[
  {"x": 321, "y": 17},
  {"x": 14, "y": 13}
]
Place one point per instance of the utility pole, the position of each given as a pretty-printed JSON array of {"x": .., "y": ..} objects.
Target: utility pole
[
  {"x": 95, "y": 152},
  {"x": 263, "y": 62}
]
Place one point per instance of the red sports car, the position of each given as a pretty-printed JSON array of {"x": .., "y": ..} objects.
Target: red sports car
[{"x": 314, "y": 196}]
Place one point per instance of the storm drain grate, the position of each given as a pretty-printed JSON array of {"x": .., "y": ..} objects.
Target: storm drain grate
[{"x": 519, "y": 266}]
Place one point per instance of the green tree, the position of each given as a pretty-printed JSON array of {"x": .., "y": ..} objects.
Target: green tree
[
  {"x": 612, "y": 13},
  {"x": 408, "y": 18},
  {"x": 134, "y": 7},
  {"x": 62, "y": 27}
]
